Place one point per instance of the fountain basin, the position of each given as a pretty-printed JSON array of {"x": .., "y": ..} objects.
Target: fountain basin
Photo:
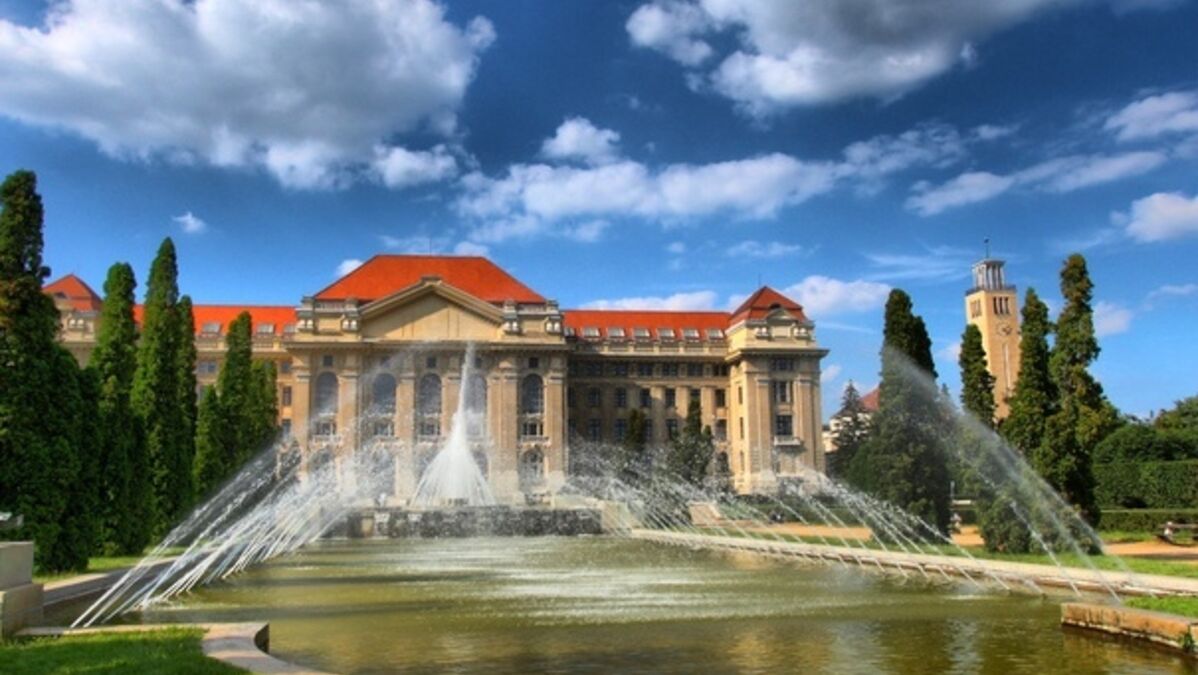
[{"x": 468, "y": 521}]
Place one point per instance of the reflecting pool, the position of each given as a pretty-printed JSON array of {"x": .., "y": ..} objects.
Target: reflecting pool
[{"x": 598, "y": 605}]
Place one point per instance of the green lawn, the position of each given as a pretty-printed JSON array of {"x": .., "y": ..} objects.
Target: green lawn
[
  {"x": 101, "y": 563},
  {"x": 1185, "y": 606},
  {"x": 169, "y": 651}
]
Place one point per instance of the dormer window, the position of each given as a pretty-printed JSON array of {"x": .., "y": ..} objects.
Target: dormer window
[
  {"x": 265, "y": 329},
  {"x": 569, "y": 332},
  {"x": 690, "y": 334},
  {"x": 666, "y": 334},
  {"x": 210, "y": 328},
  {"x": 288, "y": 329},
  {"x": 615, "y": 333},
  {"x": 715, "y": 334},
  {"x": 590, "y": 332},
  {"x": 640, "y": 334}
]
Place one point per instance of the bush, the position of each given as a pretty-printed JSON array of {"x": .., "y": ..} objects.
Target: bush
[
  {"x": 1159, "y": 485},
  {"x": 1145, "y": 520}
]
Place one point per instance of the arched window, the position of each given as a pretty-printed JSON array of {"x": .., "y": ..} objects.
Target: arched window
[
  {"x": 382, "y": 399},
  {"x": 532, "y": 395},
  {"x": 428, "y": 406},
  {"x": 326, "y": 394}
]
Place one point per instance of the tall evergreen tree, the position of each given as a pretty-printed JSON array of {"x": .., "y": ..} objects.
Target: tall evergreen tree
[
  {"x": 119, "y": 440},
  {"x": 977, "y": 384},
  {"x": 1084, "y": 417},
  {"x": 211, "y": 461},
  {"x": 904, "y": 461},
  {"x": 235, "y": 386},
  {"x": 1035, "y": 396},
  {"x": 851, "y": 433},
  {"x": 156, "y": 389},
  {"x": 633, "y": 459},
  {"x": 692, "y": 450},
  {"x": 185, "y": 374},
  {"x": 39, "y": 390},
  {"x": 264, "y": 405}
]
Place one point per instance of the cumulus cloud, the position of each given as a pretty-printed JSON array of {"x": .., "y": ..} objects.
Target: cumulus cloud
[
  {"x": 692, "y": 301},
  {"x": 950, "y": 352},
  {"x": 330, "y": 87},
  {"x": 786, "y": 53},
  {"x": 1170, "y": 291},
  {"x": 821, "y": 295},
  {"x": 1160, "y": 217},
  {"x": 933, "y": 263},
  {"x": 757, "y": 249},
  {"x": 191, "y": 223},
  {"x": 830, "y": 373},
  {"x": 427, "y": 245},
  {"x": 348, "y": 265},
  {"x": 577, "y": 138},
  {"x": 1059, "y": 175},
  {"x": 1111, "y": 319},
  {"x": 470, "y": 248},
  {"x": 1155, "y": 116}
]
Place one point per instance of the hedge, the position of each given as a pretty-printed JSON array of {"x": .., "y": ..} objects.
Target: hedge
[
  {"x": 1157, "y": 485},
  {"x": 1144, "y": 520}
]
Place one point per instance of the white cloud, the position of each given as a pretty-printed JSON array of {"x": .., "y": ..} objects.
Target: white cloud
[
  {"x": 992, "y": 132},
  {"x": 934, "y": 263},
  {"x": 471, "y": 248},
  {"x": 577, "y": 138},
  {"x": 1160, "y": 217},
  {"x": 1063, "y": 174},
  {"x": 950, "y": 352},
  {"x": 424, "y": 245},
  {"x": 398, "y": 167},
  {"x": 191, "y": 223},
  {"x": 1154, "y": 116},
  {"x": 786, "y": 53},
  {"x": 348, "y": 265},
  {"x": 588, "y": 233},
  {"x": 1111, "y": 319},
  {"x": 830, "y": 373},
  {"x": 311, "y": 92},
  {"x": 757, "y": 249},
  {"x": 821, "y": 296},
  {"x": 1170, "y": 291},
  {"x": 697, "y": 300},
  {"x": 676, "y": 247}
]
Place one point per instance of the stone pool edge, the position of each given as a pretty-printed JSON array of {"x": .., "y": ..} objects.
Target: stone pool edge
[
  {"x": 244, "y": 645},
  {"x": 1161, "y": 628}
]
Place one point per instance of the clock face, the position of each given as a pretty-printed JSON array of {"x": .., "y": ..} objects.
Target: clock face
[{"x": 1005, "y": 329}]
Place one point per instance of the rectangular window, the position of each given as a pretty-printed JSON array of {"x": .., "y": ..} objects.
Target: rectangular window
[
  {"x": 640, "y": 334},
  {"x": 644, "y": 369},
  {"x": 532, "y": 428},
  {"x": 265, "y": 329},
  {"x": 783, "y": 426},
  {"x": 621, "y": 397},
  {"x": 383, "y": 428},
  {"x": 210, "y": 328},
  {"x": 619, "y": 369},
  {"x": 430, "y": 362},
  {"x": 284, "y": 367},
  {"x": 286, "y": 428},
  {"x": 781, "y": 390},
  {"x": 590, "y": 333},
  {"x": 715, "y": 334},
  {"x": 646, "y": 398},
  {"x": 326, "y": 428},
  {"x": 207, "y": 367},
  {"x": 721, "y": 397},
  {"x": 784, "y": 365},
  {"x": 594, "y": 369},
  {"x": 326, "y": 361},
  {"x": 742, "y": 428},
  {"x": 669, "y": 370},
  {"x": 671, "y": 429},
  {"x": 594, "y": 429},
  {"x": 975, "y": 308},
  {"x": 666, "y": 334},
  {"x": 694, "y": 370},
  {"x": 695, "y": 394},
  {"x": 534, "y": 362},
  {"x": 574, "y": 368},
  {"x": 615, "y": 333},
  {"x": 621, "y": 429},
  {"x": 690, "y": 334},
  {"x": 570, "y": 398},
  {"x": 740, "y": 395},
  {"x": 721, "y": 430},
  {"x": 288, "y": 329},
  {"x": 286, "y": 396},
  {"x": 594, "y": 397},
  {"x": 720, "y": 370},
  {"x": 671, "y": 397}
]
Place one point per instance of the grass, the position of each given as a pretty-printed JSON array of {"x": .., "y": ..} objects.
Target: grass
[
  {"x": 100, "y": 563},
  {"x": 172, "y": 651},
  {"x": 1185, "y": 606}
]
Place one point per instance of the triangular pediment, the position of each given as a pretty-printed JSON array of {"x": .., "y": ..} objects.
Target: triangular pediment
[{"x": 429, "y": 311}]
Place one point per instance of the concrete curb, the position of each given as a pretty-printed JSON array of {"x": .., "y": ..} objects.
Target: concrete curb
[
  {"x": 244, "y": 645},
  {"x": 84, "y": 586},
  {"x": 1169, "y": 630}
]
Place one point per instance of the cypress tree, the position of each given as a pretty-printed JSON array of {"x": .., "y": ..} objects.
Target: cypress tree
[
  {"x": 211, "y": 465},
  {"x": 1035, "y": 394},
  {"x": 155, "y": 388},
  {"x": 633, "y": 460},
  {"x": 852, "y": 432},
  {"x": 185, "y": 373},
  {"x": 264, "y": 405},
  {"x": 119, "y": 443},
  {"x": 1084, "y": 417},
  {"x": 977, "y": 384},
  {"x": 692, "y": 450},
  {"x": 904, "y": 460},
  {"x": 235, "y": 387},
  {"x": 39, "y": 390}
]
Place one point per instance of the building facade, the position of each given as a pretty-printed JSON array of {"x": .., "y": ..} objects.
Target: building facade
[
  {"x": 375, "y": 361},
  {"x": 993, "y": 306}
]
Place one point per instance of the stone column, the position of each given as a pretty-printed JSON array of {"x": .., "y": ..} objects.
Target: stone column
[
  {"x": 503, "y": 410},
  {"x": 301, "y": 401},
  {"x": 555, "y": 424},
  {"x": 405, "y": 429},
  {"x": 758, "y": 433},
  {"x": 657, "y": 415}
]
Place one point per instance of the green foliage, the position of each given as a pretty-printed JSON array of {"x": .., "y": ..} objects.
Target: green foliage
[
  {"x": 172, "y": 651},
  {"x": 1034, "y": 399},
  {"x": 1084, "y": 417},
  {"x": 185, "y": 381},
  {"x": 632, "y": 462},
  {"x": 692, "y": 450},
  {"x": 977, "y": 384},
  {"x": 1145, "y": 520},
  {"x": 904, "y": 461},
  {"x": 1147, "y": 443},
  {"x": 1183, "y": 416},
  {"x": 126, "y": 489},
  {"x": 155, "y": 394},
  {"x": 851, "y": 433},
  {"x": 264, "y": 405},
  {"x": 1168, "y": 484},
  {"x": 235, "y": 385},
  {"x": 211, "y": 462}
]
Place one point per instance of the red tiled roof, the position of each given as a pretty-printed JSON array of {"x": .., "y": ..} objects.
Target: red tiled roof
[
  {"x": 763, "y": 302},
  {"x": 76, "y": 291},
  {"x": 871, "y": 400},
  {"x": 384, "y": 275},
  {"x": 603, "y": 319},
  {"x": 225, "y": 314}
]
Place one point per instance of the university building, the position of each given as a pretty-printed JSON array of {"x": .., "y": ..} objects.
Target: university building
[{"x": 374, "y": 363}]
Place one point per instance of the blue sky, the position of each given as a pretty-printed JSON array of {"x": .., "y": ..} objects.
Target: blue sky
[{"x": 611, "y": 154}]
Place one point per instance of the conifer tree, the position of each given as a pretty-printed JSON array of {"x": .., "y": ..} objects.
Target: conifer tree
[
  {"x": 211, "y": 461},
  {"x": 692, "y": 450},
  {"x": 185, "y": 374},
  {"x": 633, "y": 459},
  {"x": 977, "y": 384},
  {"x": 1084, "y": 417},
  {"x": 264, "y": 405},
  {"x": 156, "y": 389},
  {"x": 1034, "y": 399},
  {"x": 235, "y": 386},
  {"x": 852, "y": 431},
  {"x": 39, "y": 390},
  {"x": 113, "y": 363}
]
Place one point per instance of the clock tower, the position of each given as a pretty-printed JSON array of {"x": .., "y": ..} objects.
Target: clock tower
[{"x": 993, "y": 307}]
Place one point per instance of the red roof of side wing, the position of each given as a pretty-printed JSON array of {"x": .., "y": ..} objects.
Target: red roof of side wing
[
  {"x": 274, "y": 315},
  {"x": 765, "y": 301},
  {"x": 76, "y": 291},
  {"x": 629, "y": 320},
  {"x": 384, "y": 275},
  {"x": 871, "y": 401}
]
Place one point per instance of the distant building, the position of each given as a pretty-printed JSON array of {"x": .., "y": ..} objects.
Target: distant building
[
  {"x": 869, "y": 402},
  {"x": 993, "y": 306},
  {"x": 373, "y": 362}
]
